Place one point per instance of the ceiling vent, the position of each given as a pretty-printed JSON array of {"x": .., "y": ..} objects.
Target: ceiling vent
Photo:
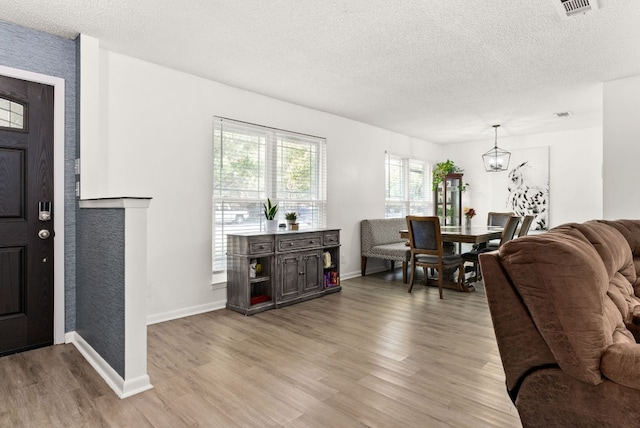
[{"x": 569, "y": 8}]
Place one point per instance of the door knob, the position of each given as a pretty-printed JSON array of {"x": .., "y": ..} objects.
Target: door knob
[{"x": 44, "y": 234}]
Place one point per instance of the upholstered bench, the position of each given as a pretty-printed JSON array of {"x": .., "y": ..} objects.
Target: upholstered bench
[{"x": 380, "y": 239}]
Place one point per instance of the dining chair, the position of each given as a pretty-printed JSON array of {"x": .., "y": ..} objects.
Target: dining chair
[
  {"x": 498, "y": 218},
  {"x": 523, "y": 230},
  {"x": 495, "y": 218},
  {"x": 425, "y": 242},
  {"x": 526, "y": 225},
  {"x": 508, "y": 232}
]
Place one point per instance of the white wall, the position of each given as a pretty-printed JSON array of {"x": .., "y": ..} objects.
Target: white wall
[
  {"x": 575, "y": 165},
  {"x": 622, "y": 148},
  {"x": 157, "y": 123}
]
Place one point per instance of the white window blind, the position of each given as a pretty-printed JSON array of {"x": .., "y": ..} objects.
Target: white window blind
[
  {"x": 408, "y": 187},
  {"x": 252, "y": 163}
]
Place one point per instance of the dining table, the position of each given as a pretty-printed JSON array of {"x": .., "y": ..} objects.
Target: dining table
[
  {"x": 452, "y": 235},
  {"x": 465, "y": 234}
]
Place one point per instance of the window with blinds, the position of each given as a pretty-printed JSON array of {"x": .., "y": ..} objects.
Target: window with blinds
[
  {"x": 408, "y": 187},
  {"x": 252, "y": 163}
]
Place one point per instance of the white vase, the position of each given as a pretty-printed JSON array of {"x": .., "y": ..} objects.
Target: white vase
[
  {"x": 468, "y": 222},
  {"x": 271, "y": 225}
]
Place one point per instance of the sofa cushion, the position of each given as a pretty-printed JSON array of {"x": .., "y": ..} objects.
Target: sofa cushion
[
  {"x": 616, "y": 255},
  {"x": 630, "y": 229},
  {"x": 398, "y": 251},
  {"x": 564, "y": 283}
]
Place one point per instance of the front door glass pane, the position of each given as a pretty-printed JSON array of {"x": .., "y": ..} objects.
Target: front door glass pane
[{"x": 11, "y": 114}]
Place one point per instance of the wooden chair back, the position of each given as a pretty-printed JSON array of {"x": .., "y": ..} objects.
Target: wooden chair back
[
  {"x": 510, "y": 228},
  {"x": 424, "y": 235},
  {"x": 526, "y": 225}
]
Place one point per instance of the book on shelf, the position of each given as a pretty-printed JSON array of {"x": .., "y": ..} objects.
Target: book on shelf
[
  {"x": 331, "y": 279},
  {"x": 259, "y": 298}
]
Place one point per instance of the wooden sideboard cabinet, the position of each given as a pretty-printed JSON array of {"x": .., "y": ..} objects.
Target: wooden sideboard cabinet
[{"x": 292, "y": 266}]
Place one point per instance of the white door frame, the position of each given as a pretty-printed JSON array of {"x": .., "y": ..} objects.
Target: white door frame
[{"x": 58, "y": 190}]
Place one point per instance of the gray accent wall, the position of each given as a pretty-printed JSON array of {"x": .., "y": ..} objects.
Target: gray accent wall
[
  {"x": 100, "y": 313},
  {"x": 43, "y": 53}
]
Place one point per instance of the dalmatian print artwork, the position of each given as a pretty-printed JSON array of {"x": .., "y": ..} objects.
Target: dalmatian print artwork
[
  {"x": 527, "y": 196},
  {"x": 527, "y": 185}
]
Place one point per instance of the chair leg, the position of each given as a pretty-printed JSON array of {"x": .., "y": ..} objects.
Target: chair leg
[
  {"x": 477, "y": 274},
  {"x": 404, "y": 272},
  {"x": 440, "y": 275},
  {"x": 461, "y": 277},
  {"x": 413, "y": 271},
  {"x": 475, "y": 270},
  {"x": 363, "y": 265}
]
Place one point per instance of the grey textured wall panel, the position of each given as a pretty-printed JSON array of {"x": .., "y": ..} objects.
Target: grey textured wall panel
[
  {"x": 100, "y": 273},
  {"x": 44, "y": 53}
]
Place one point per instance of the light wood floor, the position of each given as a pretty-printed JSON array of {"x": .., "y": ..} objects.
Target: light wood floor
[{"x": 371, "y": 355}]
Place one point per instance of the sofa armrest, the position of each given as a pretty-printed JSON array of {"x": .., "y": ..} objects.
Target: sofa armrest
[
  {"x": 621, "y": 363},
  {"x": 552, "y": 398}
]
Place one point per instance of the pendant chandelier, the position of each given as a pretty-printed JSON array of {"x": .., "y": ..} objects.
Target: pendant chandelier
[{"x": 496, "y": 159}]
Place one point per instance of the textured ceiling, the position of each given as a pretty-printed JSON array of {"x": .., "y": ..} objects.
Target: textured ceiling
[{"x": 440, "y": 70}]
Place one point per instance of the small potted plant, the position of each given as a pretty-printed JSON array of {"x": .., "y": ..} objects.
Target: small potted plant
[
  {"x": 291, "y": 220},
  {"x": 270, "y": 211}
]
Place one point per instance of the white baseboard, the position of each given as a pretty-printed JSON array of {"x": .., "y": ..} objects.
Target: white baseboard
[
  {"x": 185, "y": 312},
  {"x": 350, "y": 275},
  {"x": 122, "y": 388}
]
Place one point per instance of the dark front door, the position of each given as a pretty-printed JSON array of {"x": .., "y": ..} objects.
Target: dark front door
[{"x": 26, "y": 215}]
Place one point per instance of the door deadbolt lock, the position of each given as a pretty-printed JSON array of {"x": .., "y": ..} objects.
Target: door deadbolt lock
[
  {"x": 44, "y": 211},
  {"x": 44, "y": 234}
]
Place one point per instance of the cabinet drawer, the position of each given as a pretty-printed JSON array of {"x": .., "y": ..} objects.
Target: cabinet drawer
[
  {"x": 298, "y": 243},
  {"x": 260, "y": 247},
  {"x": 332, "y": 238}
]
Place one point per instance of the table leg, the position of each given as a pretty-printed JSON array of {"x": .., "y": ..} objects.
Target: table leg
[{"x": 450, "y": 278}]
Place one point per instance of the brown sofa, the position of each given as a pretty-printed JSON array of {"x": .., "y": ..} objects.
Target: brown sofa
[{"x": 565, "y": 308}]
